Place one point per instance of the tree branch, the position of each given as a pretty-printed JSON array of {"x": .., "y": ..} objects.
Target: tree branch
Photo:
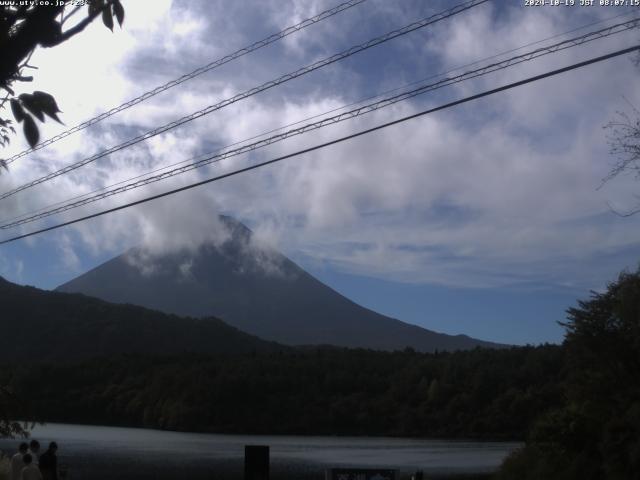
[
  {"x": 67, "y": 17},
  {"x": 630, "y": 213},
  {"x": 83, "y": 24}
]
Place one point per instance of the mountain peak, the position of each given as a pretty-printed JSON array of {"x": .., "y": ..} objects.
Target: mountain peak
[
  {"x": 255, "y": 289},
  {"x": 237, "y": 229},
  {"x": 236, "y": 252}
]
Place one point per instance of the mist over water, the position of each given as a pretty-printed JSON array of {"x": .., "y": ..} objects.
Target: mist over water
[{"x": 98, "y": 453}]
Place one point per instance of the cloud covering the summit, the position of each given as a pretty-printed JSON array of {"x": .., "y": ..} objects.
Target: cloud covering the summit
[{"x": 501, "y": 192}]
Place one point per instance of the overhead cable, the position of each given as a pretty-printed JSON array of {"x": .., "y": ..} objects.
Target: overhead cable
[
  {"x": 198, "y": 71},
  {"x": 318, "y": 115},
  {"x": 332, "y": 142},
  {"x": 208, "y": 159},
  {"x": 253, "y": 91}
]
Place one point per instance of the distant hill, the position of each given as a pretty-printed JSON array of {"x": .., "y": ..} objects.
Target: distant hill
[
  {"x": 42, "y": 325},
  {"x": 257, "y": 290}
]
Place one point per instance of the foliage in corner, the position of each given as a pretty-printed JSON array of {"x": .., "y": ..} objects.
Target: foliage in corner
[
  {"x": 23, "y": 28},
  {"x": 596, "y": 433}
]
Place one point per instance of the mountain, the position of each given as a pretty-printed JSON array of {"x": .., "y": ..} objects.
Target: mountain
[
  {"x": 41, "y": 325},
  {"x": 257, "y": 290}
]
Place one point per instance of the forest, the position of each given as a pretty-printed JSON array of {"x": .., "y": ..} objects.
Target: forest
[
  {"x": 576, "y": 405},
  {"x": 480, "y": 393}
]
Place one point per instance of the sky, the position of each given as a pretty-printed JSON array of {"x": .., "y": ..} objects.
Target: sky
[{"x": 488, "y": 219}]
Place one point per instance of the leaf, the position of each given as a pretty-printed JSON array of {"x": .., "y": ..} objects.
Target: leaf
[
  {"x": 47, "y": 104},
  {"x": 31, "y": 131},
  {"x": 17, "y": 110},
  {"x": 31, "y": 103},
  {"x": 118, "y": 11},
  {"x": 107, "y": 19}
]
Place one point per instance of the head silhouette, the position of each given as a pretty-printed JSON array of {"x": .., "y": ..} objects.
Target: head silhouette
[
  {"x": 23, "y": 448},
  {"x": 34, "y": 445}
]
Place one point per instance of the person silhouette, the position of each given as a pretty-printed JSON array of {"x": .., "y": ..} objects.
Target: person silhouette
[
  {"x": 17, "y": 463},
  {"x": 30, "y": 470},
  {"x": 49, "y": 463},
  {"x": 34, "y": 451}
]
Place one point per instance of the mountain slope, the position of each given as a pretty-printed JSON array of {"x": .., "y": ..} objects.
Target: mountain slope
[
  {"x": 41, "y": 325},
  {"x": 257, "y": 290}
]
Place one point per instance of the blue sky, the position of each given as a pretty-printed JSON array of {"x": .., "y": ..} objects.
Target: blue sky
[{"x": 485, "y": 219}]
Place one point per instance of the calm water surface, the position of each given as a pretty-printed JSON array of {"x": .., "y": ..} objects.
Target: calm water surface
[{"x": 97, "y": 453}]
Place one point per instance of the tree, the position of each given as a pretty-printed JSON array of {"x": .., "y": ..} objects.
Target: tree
[
  {"x": 624, "y": 145},
  {"x": 9, "y": 405},
  {"x": 596, "y": 433},
  {"x": 23, "y": 28}
]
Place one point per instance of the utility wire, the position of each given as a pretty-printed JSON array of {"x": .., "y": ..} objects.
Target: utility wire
[
  {"x": 333, "y": 110},
  {"x": 217, "y": 157},
  {"x": 198, "y": 71},
  {"x": 332, "y": 142},
  {"x": 297, "y": 122},
  {"x": 253, "y": 91}
]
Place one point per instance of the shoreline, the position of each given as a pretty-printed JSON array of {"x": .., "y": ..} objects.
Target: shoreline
[
  {"x": 105, "y": 452},
  {"x": 231, "y": 472},
  {"x": 466, "y": 439}
]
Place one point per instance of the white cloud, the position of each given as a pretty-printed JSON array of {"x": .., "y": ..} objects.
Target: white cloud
[{"x": 494, "y": 193}]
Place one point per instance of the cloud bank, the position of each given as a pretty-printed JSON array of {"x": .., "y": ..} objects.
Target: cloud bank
[{"x": 502, "y": 192}]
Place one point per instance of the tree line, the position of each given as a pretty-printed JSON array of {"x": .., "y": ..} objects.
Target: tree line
[{"x": 481, "y": 393}]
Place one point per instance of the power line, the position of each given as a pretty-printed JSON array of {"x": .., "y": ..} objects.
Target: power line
[
  {"x": 198, "y": 71},
  {"x": 253, "y": 91},
  {"x": 384, "y": 103},
  {"x": 332, "y": 142},
  {"x": 297, "y": 122}
]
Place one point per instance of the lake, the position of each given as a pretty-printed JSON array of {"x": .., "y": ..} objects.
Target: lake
[{"x": 97, "y": 453}]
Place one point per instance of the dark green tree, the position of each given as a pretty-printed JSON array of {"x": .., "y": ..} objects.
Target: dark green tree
[
  {"x": 596, "y": 433},
  {"x": 10, "y": 409}
]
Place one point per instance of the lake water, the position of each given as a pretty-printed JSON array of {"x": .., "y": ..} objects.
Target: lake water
[{"x": 97, "y": 453}]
